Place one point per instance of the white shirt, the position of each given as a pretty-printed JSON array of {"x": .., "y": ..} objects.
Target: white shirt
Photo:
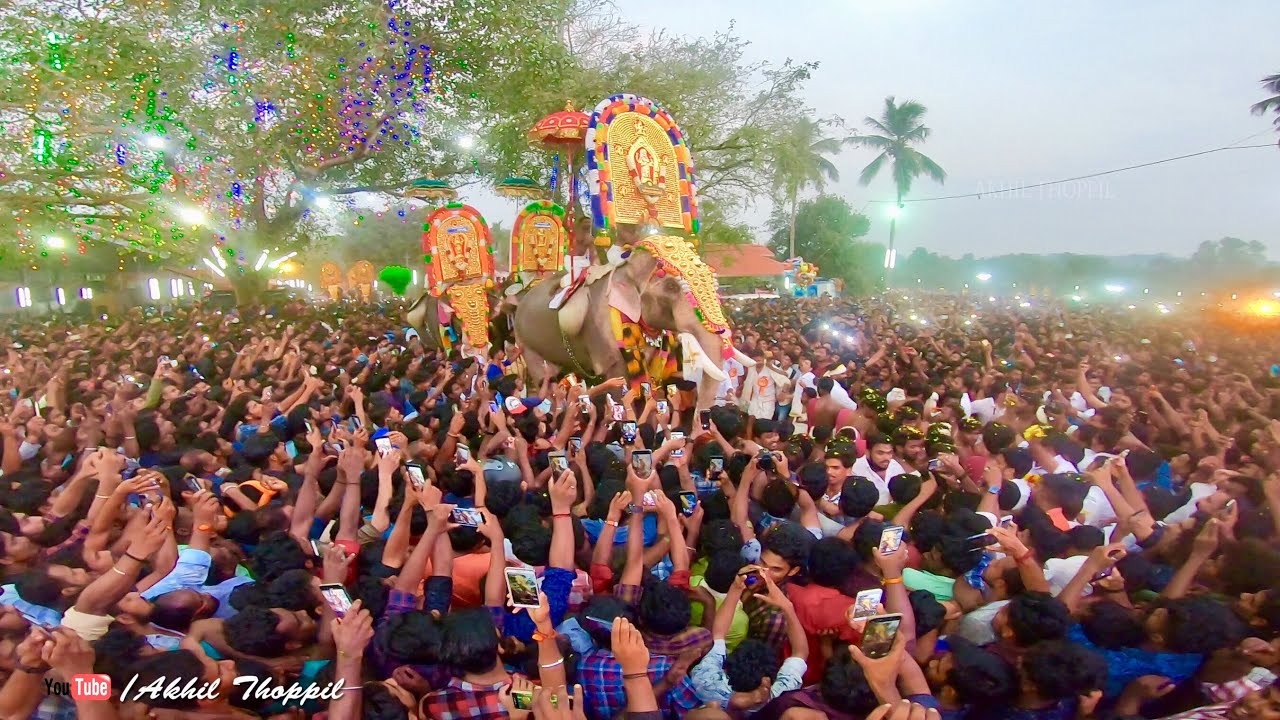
[
  {"x": 760, "y": 393},
  {"x": 862, "y": 468},
  {"x": 1097, "y": 510},
  {"x": 1198, "y": 491},
  {"x": 985, "y": 409},
  {"x": 841, "y": 396}
]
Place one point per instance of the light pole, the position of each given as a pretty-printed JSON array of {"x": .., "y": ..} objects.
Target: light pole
[{"x": 891, "y": 255}]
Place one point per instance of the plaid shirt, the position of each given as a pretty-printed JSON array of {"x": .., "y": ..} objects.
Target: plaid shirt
[
  {"x": 461, "y": 700},
  {"x": 688, "y": 640},
  {"x": 765, "y": 622},
  {"x": 600, "y": 675}
]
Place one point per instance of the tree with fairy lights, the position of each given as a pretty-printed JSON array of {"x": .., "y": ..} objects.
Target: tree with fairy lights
[{"x": 230, "y": 132}]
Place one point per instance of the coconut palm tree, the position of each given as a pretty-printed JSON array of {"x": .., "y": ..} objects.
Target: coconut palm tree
[
  {"x": 800, "y": 162},
  {"x": 899, "y": 127},
  {"x": 1272, "y": 104}
]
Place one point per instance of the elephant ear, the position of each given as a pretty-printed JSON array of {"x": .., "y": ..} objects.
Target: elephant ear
[{"x": 625, "y": 284}]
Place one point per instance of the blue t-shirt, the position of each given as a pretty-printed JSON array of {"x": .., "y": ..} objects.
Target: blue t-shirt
[{"x": 1128, "y": 664}]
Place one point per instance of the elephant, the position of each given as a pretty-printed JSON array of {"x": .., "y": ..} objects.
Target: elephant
[
  {"x": 423, "y": 316},
  {"x": 637, "y": 286}
]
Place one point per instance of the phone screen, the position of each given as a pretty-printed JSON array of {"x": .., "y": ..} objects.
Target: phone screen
[
  {"x": 628, "y": 431},
  {"x": 522, "y": 585},
  {"x": 644, "y": 390},
  {"x": 416, "y": 476},
  {"x": 383, "y": 444},
  {"x": 469, "y": 517},
  {"x": 642, "y": 463},
  {"x": 463, "y": 454},
  {"x": 704, "y": 417},
  {"x": 716, "y": 465},
  {"x": 337, "y": 597},
  {"x": 688, "y": 503},
  {"x": 864, "y": 605},
  {"x": 890, "y": 539},
  {"x": 879, "y": 634},
  {"x": 575, "y": 442},
  {"x": 649, "y": 499},
  {"x": 662, "y": 406},
  {"x": 980, "y": 541},
  {"x": 559, "y": 463}
]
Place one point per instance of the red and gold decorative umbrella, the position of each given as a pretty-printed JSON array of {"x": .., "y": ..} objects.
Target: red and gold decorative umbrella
[{"x": 564, "y": 131}]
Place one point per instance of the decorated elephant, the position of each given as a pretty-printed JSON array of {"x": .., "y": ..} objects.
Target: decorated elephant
[{"x": 661, "y": 286}]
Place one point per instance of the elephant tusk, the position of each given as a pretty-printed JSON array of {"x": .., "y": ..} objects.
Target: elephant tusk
[
  {"x": 740, "y": 357},
  {"x": 700, "y": 357}
]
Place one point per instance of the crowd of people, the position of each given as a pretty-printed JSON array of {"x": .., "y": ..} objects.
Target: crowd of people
[{"x": 916, "y": 506}]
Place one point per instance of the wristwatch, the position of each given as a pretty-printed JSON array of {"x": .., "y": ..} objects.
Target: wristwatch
[{"x": 634, "y": 508}]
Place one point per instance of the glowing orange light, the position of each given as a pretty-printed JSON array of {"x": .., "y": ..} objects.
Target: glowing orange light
[{"x": 1264, "y": 308}]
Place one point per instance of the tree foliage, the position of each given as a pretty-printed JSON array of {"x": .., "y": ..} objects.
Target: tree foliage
[
  {"x": 1270, "y": 84},
  {"x": 829, "y": 233},
  {"x": 800, "y": 161},
  {"x": 899, "y": 127}
]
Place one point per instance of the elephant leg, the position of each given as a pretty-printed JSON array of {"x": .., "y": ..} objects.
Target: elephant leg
[
  {"x": 534, "y": 367},
  {"x": 423, "y": 316}
]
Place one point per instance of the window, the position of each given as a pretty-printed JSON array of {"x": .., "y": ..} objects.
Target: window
[
  {"x": 175, "y": 287},
  {"x": 86, "y": 293}
]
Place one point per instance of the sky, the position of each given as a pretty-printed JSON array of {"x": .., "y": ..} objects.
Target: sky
[{"x": 1023, "y": 92}]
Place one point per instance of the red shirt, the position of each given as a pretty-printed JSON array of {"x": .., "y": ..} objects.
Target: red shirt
[{"x": 821, "y": 608}]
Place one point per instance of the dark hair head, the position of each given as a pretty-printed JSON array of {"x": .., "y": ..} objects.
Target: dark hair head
[
  {"x": 1060, "y": 669},
  {"x": 531, "y": 542},
  {"x": 180, "y": 666},
  {"x": 812, "y": 478},
  {"x": 291, "y": 590},
  {"x": 606, "y": 608},
  {"x": 275, "y": 554},
  {"x": 867, "y": 538},
  {"x": 928, "y": 611},
  {"x": 1085, "y": 537},
  {"x": 1037, "y": 616},
  {"x": 788, "y": 541},
  {"x": 844, "y": 687},
  {"x": 858, "y": 497},
  {"x": 719, "y": 536},
  {"x": 1201, "y": 624},
  {"x": 1252, "y": 566},
  {"x": 831, "y": 561},
  {"x": 905, "y": 487},
  {"x": 750, "y": 663},
  {"x": 664, "y": 609},
  {"x": 253, "y": 631},
  {"x": 470, "y": 640},
  {"x": 115, "y": 652},
  {"x": 777, "y": 498},
  {"x": 722, "y": 569},
  {"x": 980, "y": 677},
  {"x": 411, "y": 638},
  {"x": 176, "y": 610},
  {"x": 997, "y": 437},
  {"x": 1111, "y": 626}
]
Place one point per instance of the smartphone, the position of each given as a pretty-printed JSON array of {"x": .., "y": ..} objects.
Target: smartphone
[
  {"x": 677, "y": 434},
  {"x": 522, "y": 586},
  {"x": 864, "y": 605},
  {"x": 672, "y": 390},
  {"x": 493, "y": 406},
  {"x": 704, "y": 417},
  {"x": 416, "y": 475},
  {"x": 688, "y": 502},
  {"x": 559, "y": 463},
  {"x": 337, "y": 597},
  {"x": 310, "y": 428},
  {"x": 662, "y": 406},
  {"x": 879, "y": 634},
  {"x": 645, "y": 390},
  {"x": 715, "y": 466},
  {"x": 468, "y": 517},
  {"x": 383, "y": 444},
  {"x": 1006, "y": 522},
  {"x": 751, "y": 577},
  {"x": 575, "y": 444},
  {"x": 315, "y": 548},
  {"x": 890, "y": 539},
  {"x": 980, "y": 541},
  {"x": 266, "y": 395},
  {"x": 642, "y": 463},
  {"x": 629, "y": 431},
  {"x": 463, "y": 455},
  {"x": 934, "y": 464},
  {"x": 522, "y": 699},
  {"x": 607, "y": 625},
  {"x": 192, "y": 482},
  {"x": 164, "y": 360},
  {"x": 649, "y": 499},
  {"x": 619, "y": 413},
  {"x": 292, "y": 448}
]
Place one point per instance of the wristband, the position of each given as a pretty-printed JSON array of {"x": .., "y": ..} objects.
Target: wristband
[
  {"x": 1023, "y": 557},
  {"x": 31, "y": 670},
  {"x": 635, "y": 676},
  {"x": 134, "y": 558},
  {"x": 539, "y": 636},
  {"x": 893, "y": 581},
  {"x": 555, "y": 516},
  {"x": 548, "y": 666},
  {"x": 614, "y": 523}
]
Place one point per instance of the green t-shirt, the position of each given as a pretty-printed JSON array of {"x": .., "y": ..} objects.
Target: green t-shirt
[
  {"x": 943, "y": 588},
  {"x": 737, "y": 627}
]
